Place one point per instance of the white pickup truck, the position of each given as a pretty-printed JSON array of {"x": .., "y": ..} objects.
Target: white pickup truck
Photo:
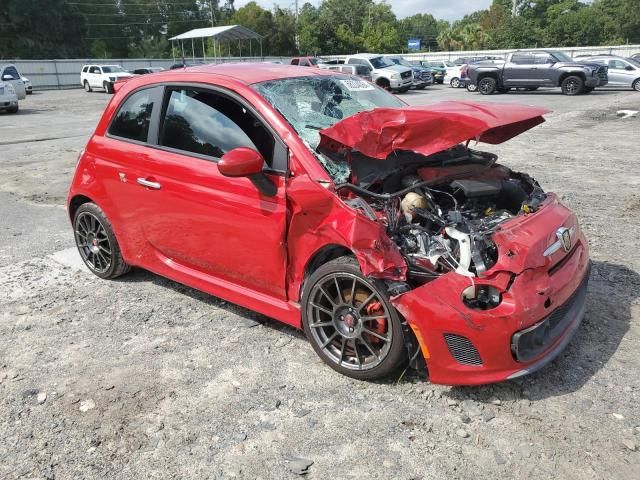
[
  {"x": 384, "y": 72},
  {"x": 102, "y": 76}
]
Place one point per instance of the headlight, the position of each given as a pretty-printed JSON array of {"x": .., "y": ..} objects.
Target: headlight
[
  {"x": 113, "y": 79},
  {"x": 395, "y": 75}
]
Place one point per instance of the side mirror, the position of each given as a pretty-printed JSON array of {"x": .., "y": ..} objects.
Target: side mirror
[
  {"x": 629, "y": 67},
  {"x": 6, "y": 76},
  {"x": 246, "y": 162}
]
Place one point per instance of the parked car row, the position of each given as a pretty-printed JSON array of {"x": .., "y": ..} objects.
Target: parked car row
[{"x": 13, "y": 88}]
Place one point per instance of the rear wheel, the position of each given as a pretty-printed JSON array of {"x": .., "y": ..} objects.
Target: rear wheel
[
  {"x": 472, "y": 87},
  {"x": 97, "y": 242},
  {"x": 572, "y": 85},
  {"x": 487, "y": 85},
  {"x": 636, "y": 85},
  {"x": 350, "y": 322},
  {"x": 455, "y": 82},
  {"x": 87, "y": 87}
]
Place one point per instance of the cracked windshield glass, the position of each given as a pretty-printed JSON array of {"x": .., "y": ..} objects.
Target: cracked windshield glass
[{"x": 311, "y": 104}]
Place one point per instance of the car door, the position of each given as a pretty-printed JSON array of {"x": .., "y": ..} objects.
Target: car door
[
  {"x": 621, "y": 73},
  {"x": 518, "y": 71},
  {"x": 95, "y": 74},
  {"x": 542, "y": 70},
  {"x": 11, "y": 75},
  {"x": 191, "y": 215}
]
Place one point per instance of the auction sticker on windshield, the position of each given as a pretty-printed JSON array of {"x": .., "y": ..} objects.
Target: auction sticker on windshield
[{"x": 355, "y": 85}]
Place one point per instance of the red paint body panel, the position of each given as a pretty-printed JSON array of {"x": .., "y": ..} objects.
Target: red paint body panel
[
  {"x": 437, "y": 308},
  {"x": 429, "y": 129},
  {"x": 222, "y": 236}
]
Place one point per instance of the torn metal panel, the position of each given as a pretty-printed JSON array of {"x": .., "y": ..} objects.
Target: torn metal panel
[{"x": 429, "y": 129}]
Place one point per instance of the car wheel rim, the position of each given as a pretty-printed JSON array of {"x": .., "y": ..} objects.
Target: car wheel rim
[
  {"x": 455, "y": 83},
  {"x": 572, "y": 86},
  {"x": 636, "y": 86},
  {"x": 349, "y": 321},
  {"x": 93, "y": 242},
  {"x": 484, "y": 86}
]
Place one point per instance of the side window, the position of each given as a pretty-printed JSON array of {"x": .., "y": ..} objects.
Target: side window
[
  {"x": 543, "y": 59},
  {"x": 13, "y": 72},
  {"x": 133, "y": 117},
  {"x": 295, "y": 61},
  {"x": 522, "y": 59},
  {"x": 211, "y": 124},
  {"x": 84, "y": 69},
  {"x": 617, "y": 64},
  {"x": 304, "y": 62},
  {"x": 94, "y": 70}
]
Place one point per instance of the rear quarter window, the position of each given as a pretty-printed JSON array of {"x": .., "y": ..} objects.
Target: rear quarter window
[{"x": 134, "y": 116}]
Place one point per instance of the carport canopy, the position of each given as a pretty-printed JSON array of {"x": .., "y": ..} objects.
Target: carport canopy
[{"x": 218, "y": 34}]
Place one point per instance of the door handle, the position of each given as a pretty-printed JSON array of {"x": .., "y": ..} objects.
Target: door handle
[{"x": 149, "y": 184}]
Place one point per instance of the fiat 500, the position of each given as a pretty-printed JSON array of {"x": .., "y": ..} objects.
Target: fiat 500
[{"x": 325, "y": 202}]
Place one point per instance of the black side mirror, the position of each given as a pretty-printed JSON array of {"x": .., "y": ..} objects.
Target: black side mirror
[{"x": 629, "y": 68}]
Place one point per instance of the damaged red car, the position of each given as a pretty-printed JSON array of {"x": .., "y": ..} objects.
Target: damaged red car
[{"x": 327, "y": 203}]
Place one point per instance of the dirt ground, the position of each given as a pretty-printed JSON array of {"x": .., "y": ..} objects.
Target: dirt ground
[{"x": 145, "y": 378}]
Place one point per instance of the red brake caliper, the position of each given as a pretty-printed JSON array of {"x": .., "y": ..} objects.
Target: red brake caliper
[{"x": 379, "y": 326}]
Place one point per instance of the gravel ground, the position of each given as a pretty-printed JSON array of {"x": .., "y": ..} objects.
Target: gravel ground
[{"x": 145, "y": 378}]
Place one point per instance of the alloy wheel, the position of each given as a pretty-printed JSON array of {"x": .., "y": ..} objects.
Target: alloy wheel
[
  {"x": 93, "y": 242},
  {"x": 349, "y": 321},
  {"x": 455, "y": 82},
  {"x": 572, "y": 87}
]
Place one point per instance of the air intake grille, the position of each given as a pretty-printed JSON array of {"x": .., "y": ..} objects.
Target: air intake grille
[{"x": 462, "y": 349}]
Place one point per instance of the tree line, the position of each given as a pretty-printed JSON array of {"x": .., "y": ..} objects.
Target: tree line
[{"x": 141, "y": 28}]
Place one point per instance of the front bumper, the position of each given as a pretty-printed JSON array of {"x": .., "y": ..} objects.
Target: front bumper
[
  {"x": 463, "y": 346},
  {"x": 9, "y": 104},
  {"x": 400, "y": 84}
]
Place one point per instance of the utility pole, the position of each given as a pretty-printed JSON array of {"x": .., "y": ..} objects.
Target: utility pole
[
  {"x": 213, "y": 15},
  {"x": 514, "y": 9},
  {"x": 295, "y": 37}
]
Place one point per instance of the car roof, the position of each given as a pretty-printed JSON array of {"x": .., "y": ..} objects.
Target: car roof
[
  {"x": 248, "y": 72},
  {"x": 366, "y": 55}
]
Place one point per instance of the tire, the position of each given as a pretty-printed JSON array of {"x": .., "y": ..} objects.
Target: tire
[
  {"x": 472, "y": 87},
  {"x": 30, "y": 93},
  {"x": 363, "y": 344},
  {"x": 107, "y": 87},
  {"x": 384, "y": 83},
  {"x": 97, "y": 243},
  {"x": 13, "y": 109},
  {"x": 572, "y": 85},
  {"x": 487, "y": 85},
  {"x": 455, "y": 82},
  {"x": 87, "y": 87},
  {"x": 636, "y": 85}
]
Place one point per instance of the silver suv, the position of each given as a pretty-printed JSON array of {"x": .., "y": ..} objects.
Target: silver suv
[
  {"x": 623, "y": 72},
  {"x": 9, "y": 74},
  {"x": 384, "y": 72}
]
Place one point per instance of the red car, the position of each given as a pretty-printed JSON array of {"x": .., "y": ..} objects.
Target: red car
[{"x": 327, "y": 203}]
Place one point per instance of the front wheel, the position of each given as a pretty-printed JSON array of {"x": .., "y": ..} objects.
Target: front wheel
[
  {"x": 487, "y": 85},
  {"x": 572, "y": 85},
  {"x": 97, "y": 242},
  {"x": 636, "y": 85},
  {"x": 350, "y": 322},
  {"x": 455, "y": 82},
  {"x": 13, "y": 109},
  {"x": 108, "y": 87}
]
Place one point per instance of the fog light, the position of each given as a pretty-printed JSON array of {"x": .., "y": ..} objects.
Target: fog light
[{"x": 481, "y": 297}]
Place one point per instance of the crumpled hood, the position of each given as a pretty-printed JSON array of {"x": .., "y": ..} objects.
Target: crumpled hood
[{"x": 429, "y": 129}]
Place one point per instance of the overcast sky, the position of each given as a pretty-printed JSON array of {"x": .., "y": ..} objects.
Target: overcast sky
[{"x": 441, "y": 9}]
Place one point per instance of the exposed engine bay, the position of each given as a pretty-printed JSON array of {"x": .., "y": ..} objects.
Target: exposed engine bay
[{"x": 441, "y": 210}]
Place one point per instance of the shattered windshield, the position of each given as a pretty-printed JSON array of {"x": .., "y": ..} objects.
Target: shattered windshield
[{"x": 313, "y": 103}]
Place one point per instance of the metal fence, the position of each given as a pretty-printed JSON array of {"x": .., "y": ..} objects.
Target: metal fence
[{"x": 59, "y": 74}]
